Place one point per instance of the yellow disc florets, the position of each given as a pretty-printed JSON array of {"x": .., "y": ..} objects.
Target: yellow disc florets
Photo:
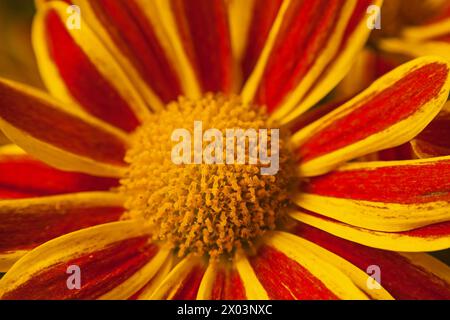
[{"x": 205, "y": 208}]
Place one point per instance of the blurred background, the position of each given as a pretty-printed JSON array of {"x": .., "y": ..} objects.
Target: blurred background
[{"x": 16, "y": 54}]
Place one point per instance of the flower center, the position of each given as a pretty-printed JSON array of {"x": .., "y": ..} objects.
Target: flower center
[{"x": 208, "y": 207}]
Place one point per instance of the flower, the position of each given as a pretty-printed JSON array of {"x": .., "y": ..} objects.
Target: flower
[{"x": 92, "y": 191}]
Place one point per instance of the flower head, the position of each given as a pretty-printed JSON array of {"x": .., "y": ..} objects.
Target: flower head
[{"x": 94, "y": 188}]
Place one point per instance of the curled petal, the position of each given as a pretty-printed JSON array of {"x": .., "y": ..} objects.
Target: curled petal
[{"x": 389, "y": 113}]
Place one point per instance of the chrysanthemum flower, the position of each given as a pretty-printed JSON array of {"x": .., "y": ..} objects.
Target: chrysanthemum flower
[{"x": 110, "y": 201}]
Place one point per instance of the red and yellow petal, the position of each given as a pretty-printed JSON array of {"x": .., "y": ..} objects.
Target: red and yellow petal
[
  {"x": 281, "y": 268},
  {"x": 22, "y": 176},
  {"x": 63, "y": 137},
  {"x": 27, "y": 223},
  {"x": 136, "y": 36},
  {"x": 359, "y": 277},
  {"x": 425, "y": 239},
  {"x": 287, "y": 271},
  {"x": 77, "y": 68},
  {"x": 392, "y": 111},
  {"x": 262, "y": 17},
  {"x": 354, "y": 38},
  {"x": 110, "y": 257},
  {"x": 221, "y": 281},
  {"x": 146, "y": 292},
  {"x": 369, "y": 65},
  {"x": 294, "y": 55},
  {"x": 434, "y": 140},
  {"x": 183, "y": 281},
  {"x": 39, "y": 3},
  {"x": 404, "y": 276},
  {"x": 210, "y": 53},
  {"x": 383, "y": 196},
  {"x": 281, "y": 38}
]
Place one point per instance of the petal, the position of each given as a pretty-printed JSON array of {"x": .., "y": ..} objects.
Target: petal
[
  {"x": 77, "y": 68},
  {"x": 263, "y": 16},
  {"x": 369, "y": 65},
  {"x": 8, "y": 259},
  {"x": 430, "y": 238},
  {"x": 241, "y": 16},
  {"x": 434, "y": 140},
  {"x": 22, "y": 176},
  {"x": 146, "y": 292},
  {"x": 357, "y": 276},
  {"x": 62, "y": 137},
  {"x": 404, "y": 276},
  {"x": 183, "y": 282},
  {"x": 294, "y": 53},
  {"x": 389, "y": 113},
  {"x": 288, "y": 271},
  {"x": 221, "y": 281},
  {"x": 27, "y": 223},
  {"x": 209, "y": 52},
  {"x": 132, "y": 31},
  {"x": 315, "y": 114},
  {"x": 108, "y": 256},
  {"x": 293, "y": 57},
  {"x": 383, "y": 196},
  {"x": 402, "y": 152}
]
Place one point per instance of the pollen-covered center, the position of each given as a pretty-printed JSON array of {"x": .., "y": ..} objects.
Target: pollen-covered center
[{"x": 203, "y": 202}]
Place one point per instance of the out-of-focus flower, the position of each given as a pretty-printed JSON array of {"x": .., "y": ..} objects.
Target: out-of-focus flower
[{"x": 425, "y": 30}]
